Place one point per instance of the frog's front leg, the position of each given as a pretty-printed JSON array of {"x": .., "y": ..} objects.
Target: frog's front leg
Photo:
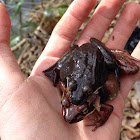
[
  {"x": 100, "y": 117},
  {"x": 52, "y": 73}
]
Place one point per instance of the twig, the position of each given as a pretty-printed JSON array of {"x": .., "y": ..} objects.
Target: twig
[
  {"x": 19, "y": 45},
  {"x": 42, "y": 4},
  {"x": 32, "y": 3},
  {"x": 23, "y": 52},
  {"x": 135, "y": 131},
  {"x": 20, "y": 21}
]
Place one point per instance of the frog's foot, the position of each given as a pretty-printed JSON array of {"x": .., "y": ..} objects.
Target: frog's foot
[
  {"x": 100, "y": 117},
  {"x": 126, "y": 63}
]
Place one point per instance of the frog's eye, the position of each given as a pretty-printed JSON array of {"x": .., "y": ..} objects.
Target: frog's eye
[
  {"x": 65, "y": 102},
  {"x": 72, "y": 85},
  {"x": 87, "y": 89}
]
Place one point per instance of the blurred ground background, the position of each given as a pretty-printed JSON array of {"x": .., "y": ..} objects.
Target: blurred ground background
[{"x": 32, "y": 24}]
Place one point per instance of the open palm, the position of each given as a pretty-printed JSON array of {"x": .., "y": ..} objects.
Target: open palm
[{"x": 30, "y": 107}]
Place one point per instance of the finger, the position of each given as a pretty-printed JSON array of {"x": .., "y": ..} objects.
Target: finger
[
  {"x": 5, "y": 26},
  {"x": 136, "y": 52},
  {"x": 7, "y": 59},
  {"x": 126, "y": 84},
  {"x": 100, "y": 21},
  {"x": 127, "y": 81},
  {"x": 9, "y": 70},
  {"x": 67, "y": 27},
  {"x": 124, "y": 26},
  {"x": 65, "y": 31}
]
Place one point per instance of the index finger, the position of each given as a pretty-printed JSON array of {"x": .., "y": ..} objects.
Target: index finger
[
  {"x": 67, "y": 28},
  {"x": 64, "y": 33}
]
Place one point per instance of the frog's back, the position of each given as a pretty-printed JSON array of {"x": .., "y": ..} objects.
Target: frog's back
[{"x": 87, "y": 67}]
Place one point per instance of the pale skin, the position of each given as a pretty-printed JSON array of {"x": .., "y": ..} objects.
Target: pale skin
[{"x": 30, "y": 107}]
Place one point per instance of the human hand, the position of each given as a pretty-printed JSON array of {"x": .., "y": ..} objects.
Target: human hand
[{"x": 30, "y": 107}]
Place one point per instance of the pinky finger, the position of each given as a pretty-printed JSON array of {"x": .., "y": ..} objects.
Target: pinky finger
[
  {"x": 136, "y": 52},
  {"x": 124, "y": 26}
]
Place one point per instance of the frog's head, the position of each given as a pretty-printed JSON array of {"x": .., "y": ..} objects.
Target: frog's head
[{"x": 80, "y": 90}]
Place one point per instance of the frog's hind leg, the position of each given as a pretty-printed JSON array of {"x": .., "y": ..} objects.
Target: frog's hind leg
[
  {"x": 126, "y": 63},
  {"x": 110, "y": 89},
  {"x": 98, "y": 118}
]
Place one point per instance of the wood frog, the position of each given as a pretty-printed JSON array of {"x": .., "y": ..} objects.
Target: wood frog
[{"x": 88, "y": 76}]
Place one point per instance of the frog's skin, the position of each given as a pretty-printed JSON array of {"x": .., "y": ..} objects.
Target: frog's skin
[{"x": 88, "y": 76}]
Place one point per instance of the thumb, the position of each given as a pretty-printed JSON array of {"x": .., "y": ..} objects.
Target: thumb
[{"x": 10, "y": 74}]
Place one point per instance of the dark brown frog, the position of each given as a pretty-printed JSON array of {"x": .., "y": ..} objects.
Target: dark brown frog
[{"x": 88, "y": 76}]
